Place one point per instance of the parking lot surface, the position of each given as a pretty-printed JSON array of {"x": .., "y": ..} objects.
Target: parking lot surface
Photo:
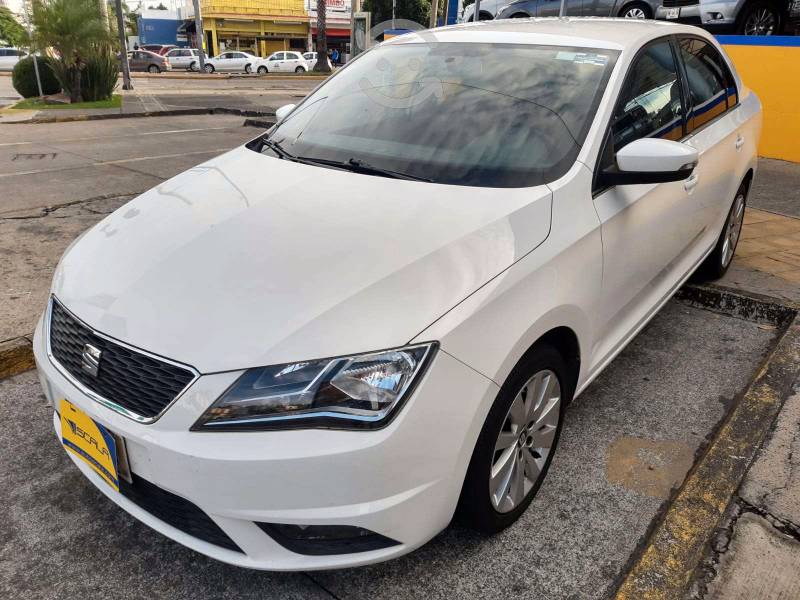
[
  {"x": 59, "y": 179},
  {"x": 627, "y": 441}
]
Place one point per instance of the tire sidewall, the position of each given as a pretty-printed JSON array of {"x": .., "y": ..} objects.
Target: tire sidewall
[{"x": 475, "y": 507}]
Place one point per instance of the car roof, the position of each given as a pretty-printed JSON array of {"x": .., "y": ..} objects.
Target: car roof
[{"x": 587, "y": 32}]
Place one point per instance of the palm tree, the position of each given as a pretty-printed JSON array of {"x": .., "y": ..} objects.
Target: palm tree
[
  {"x": 72, "y": 29},
  {"x": 322, "y": 66}
]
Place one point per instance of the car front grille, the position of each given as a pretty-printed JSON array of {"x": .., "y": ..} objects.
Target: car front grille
[
  {"x": 140, "y": 384},
  {"x": 674, "y": 3},
  {"x": 175, "y": 511}
]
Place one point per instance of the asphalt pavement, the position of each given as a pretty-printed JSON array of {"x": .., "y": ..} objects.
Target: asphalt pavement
[
  {"x": 627, "y": 441},
  {"x": 59, "y": 179}
]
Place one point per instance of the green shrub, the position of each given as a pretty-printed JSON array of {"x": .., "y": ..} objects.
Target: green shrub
[
  {"x": 99, "y": 75},
  {"x": 23, "y": 78}
]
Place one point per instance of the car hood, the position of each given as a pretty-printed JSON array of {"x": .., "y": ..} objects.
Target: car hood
[{"x": 249, "y": 260}]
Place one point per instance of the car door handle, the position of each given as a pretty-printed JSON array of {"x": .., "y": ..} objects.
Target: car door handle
[
  {"x": 739, "y": 142},
  {"x": 691, "y": 182}
]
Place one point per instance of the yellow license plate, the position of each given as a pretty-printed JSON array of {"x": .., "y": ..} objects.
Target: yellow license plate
[{"x": 89, "y": 441}]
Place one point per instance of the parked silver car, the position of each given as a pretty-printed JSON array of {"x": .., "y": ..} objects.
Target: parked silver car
[
  {"x": 745, "y": 17},
  {"x": 503, "y": 9},
  {"x": 184, "y": 58},
  {"x": 9, "y": 57}
]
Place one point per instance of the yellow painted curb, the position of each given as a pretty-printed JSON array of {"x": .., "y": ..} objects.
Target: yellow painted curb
[{"x": 666, "y": 565}]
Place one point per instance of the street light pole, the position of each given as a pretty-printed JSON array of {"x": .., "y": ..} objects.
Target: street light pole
[
  {"x": 127, "y": 84},
  {"x": 198, "y": 32}
]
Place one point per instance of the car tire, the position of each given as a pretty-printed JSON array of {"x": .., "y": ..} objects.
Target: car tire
[
  {"x": 262, "y": 70},
  {"x": 153, "y": 69},
  {"x": 636, "y": 10},
  {"x": 299, "y": 70},
  {"x": 759, "y": 18},
  {"x": 209, "y": 68},
  {"x": 490, "y": 504},
  {"x": 193, "y": 67},
  {"x": 717, "y": 263},
  {"x": 248, "y": 69}
]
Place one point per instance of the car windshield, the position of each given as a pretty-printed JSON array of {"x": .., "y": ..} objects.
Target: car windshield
[{"x": 489, "y": 115}]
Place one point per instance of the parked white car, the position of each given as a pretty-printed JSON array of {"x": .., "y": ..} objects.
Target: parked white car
[
  {"x": 184, "y": 58},
  {"x": 311, "y": 59},
  {"x": 235, "y": 62},
  {"x": 313, "y": 350},
  {"x": 286, "y": 62},
  {"x": 9, "y": 57}
]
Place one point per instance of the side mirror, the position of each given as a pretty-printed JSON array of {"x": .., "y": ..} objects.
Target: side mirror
[
  {"x": 651, "y": 160},
  {"x": 283, "y": 112}
]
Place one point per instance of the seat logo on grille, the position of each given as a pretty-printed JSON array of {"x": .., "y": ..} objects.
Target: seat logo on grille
[{"x": 90, "y": 359}]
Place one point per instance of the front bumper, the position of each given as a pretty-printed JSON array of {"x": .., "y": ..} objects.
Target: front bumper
[
  {"x": 716, "y": 16},
  {"x": 402, "y": 481}
]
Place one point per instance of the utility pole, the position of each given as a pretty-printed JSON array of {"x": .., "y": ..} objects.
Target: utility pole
[
  {"x": 394, "y": 3},
  {"x": 477, "y": 16},
  {"x": 434, "y": 11},
  {"x": 33, "y": 53},
  {"x": 200, "y": 36},
  {"x": 127, "y": 84}
]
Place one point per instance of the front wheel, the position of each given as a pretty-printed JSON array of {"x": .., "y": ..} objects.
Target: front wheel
[
  {"x": 262, "y": 70},
  {"x": 517, "y": 442},
  {"x": 637, "y": 10},
  {"x": 299, "y": 70},
  {"x": 759, "y": 18},
  {"x": 153, "y": 69},
  {"x": 716, "y": 264},
  {"x": 209, "y": 68}
]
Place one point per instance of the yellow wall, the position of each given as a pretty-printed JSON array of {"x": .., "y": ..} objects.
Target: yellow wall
[
  {"x": 773, "y": 73},
  {"x": 253, "y": 8}
]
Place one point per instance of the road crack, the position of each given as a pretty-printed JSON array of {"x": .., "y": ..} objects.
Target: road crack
[{"x": 47, "y": 210}]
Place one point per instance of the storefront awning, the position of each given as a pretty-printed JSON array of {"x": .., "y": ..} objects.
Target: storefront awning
[{"x": 333, "y": 32}]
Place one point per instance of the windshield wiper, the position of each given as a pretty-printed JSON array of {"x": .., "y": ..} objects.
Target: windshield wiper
[
  {"x": 277, "y": 148},
  {"x": 359, "y": 166}
]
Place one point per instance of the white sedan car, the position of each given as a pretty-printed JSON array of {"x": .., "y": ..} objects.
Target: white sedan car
[
  {"x": 285, "y": 62},
  {"x": 9, "y": 57},
  {"x": 235, "y": 62},
  {"x": 312, "y": 351}
]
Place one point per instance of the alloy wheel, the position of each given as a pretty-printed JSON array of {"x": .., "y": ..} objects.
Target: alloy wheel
[
  {"x": 525, "y": 441},
  {"x": 733, "y": 228},
  {"x": 761, "y": 21},
  {"x": 635, "y": 13}
]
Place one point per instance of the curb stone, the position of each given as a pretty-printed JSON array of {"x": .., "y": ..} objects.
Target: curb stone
[
  {"x": 162, "y": 113},
  {"x": 16, "y": 356}
]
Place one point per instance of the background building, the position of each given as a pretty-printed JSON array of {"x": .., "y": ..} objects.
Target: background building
[
  {"x": 337, "y": 24},
  {"x": 161, "y": 27},
  {"x": 260, "y": 27}
]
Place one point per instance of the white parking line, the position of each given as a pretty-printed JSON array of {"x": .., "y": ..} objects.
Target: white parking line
[
  {"x": 116, "y": 162},
  {"x": 126, "y": 135}
]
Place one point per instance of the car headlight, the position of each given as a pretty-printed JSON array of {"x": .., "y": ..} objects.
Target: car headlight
[{"x": 360, "y": 391}]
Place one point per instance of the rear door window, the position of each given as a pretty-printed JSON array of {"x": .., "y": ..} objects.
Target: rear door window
[{"x": 712, "y": 89}]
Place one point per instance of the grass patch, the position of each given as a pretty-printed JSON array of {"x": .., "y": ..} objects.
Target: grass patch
[{"x": 36, "y": 104}]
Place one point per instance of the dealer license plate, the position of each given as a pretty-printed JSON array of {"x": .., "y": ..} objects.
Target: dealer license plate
[{"x": 91, "y": 442}]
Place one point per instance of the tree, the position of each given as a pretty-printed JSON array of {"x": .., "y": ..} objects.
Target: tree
[
  {"x": 322, "y": 65},
  {"x": 73, "y": 29},
  {"x": 413, "y": 10},
  {"x": 11, "y": 32}
]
